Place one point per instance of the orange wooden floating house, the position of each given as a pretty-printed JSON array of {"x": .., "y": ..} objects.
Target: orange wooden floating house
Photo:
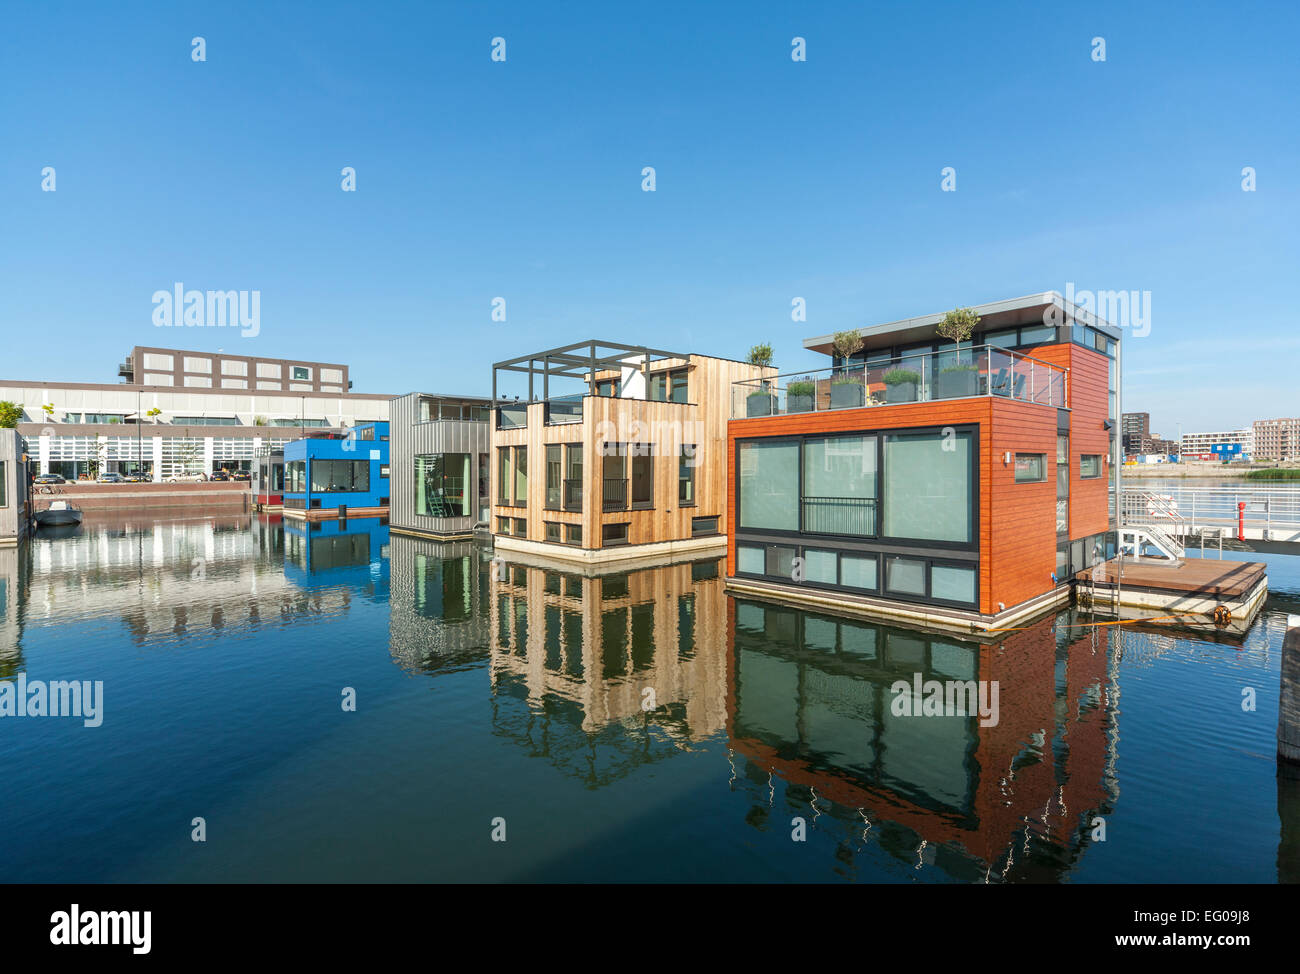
[{"x": 956, "y": 485}]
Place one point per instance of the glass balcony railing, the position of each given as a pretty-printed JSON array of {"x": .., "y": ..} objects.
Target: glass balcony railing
[
  {"x": 513, "y": 416},
  {"x": 981, "y": 370}
]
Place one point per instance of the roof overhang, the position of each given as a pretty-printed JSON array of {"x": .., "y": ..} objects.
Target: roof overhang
[{"x": 1030, "y": 309}]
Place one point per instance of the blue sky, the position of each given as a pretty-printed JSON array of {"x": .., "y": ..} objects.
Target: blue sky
[{"x": 775, "y": 180}]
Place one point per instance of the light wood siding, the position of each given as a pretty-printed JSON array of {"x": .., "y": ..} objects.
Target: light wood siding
[
  {"x": 701, "y": 422},
  {"x": 409, "y": 439}
]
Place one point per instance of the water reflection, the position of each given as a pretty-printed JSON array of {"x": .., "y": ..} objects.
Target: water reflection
[
  {"x": 615, "y": 689},
  {"x": 438, "y": 613}
]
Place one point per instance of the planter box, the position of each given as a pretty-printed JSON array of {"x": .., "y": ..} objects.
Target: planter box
[
  {"x": 758, "y": 405},
  {"x": 901, "y": 392},
  {"x": 847, "y": 394},
  {"x": 957, "y": 384},
  {"x": 798, "y": 404}
]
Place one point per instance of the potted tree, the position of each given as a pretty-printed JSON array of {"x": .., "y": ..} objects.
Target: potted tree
[
  {"x": 847, "y": 391},
  {"x": 957, "y": 380},
  {"x": 759, "y": 400},
  {"x": 799, "y": 396},
  {"x": 959, "y": 377},
  {"x": 901, "y": 384}
]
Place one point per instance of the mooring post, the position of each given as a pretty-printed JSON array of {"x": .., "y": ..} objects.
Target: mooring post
[{"x": 1288, "y": 709}]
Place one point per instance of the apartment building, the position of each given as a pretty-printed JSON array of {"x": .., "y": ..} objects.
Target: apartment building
[
  {"x": 630, "y": 465},
  {"x": 951, "y": 485},
  {"x": 1227, "y": 445},
  {"x": 1277, "y": 439},
  {"x": 179, "y": 412}
]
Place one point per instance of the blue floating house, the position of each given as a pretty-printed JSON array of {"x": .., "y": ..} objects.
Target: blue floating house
[{"x": 338, "y": 474}]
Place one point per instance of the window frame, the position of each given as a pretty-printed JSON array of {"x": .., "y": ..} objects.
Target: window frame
[
  {"x": 1015, "y": 467},
  {"x": 1091, "y": 476}
]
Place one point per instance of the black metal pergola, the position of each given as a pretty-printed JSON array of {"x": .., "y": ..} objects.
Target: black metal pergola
[{"x": 581, "y": 360}]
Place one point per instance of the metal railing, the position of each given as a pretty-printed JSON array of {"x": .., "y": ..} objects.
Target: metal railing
[
  {"x": 614, "y": 494},
  {"x": 840, "y": 515},
  {"x": 981, "y": 370},
  {"x": 573, "y": 495},
  {"x": 1264, "y": 513}
]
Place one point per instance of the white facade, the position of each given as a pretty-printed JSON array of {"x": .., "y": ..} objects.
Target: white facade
[{"x": 1198, "y": 443}]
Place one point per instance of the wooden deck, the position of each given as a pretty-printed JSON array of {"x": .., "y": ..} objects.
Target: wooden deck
[{"x": 1195, "y": 576}]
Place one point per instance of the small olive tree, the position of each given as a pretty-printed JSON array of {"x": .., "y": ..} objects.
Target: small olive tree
[
  {"x": 958, "y": 325},
  {"x": 761, "y": 355}
]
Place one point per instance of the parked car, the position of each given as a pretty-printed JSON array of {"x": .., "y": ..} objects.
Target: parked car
[
  {"x": 48, "y": 478},
  {"x": 138, "y": 478},
  {"x": 241, "y": 475},
  {"x": 220, "y": 475},
  {"x": 185, "y": 478},
  {"x": 112, "y": 478}
]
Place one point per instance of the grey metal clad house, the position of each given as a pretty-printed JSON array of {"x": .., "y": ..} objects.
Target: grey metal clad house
[
  {"x": 440, "y": 448},
  {"x": 13, "y": 488}
]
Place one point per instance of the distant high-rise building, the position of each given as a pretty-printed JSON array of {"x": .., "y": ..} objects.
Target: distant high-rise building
[{"x": 1277, "y": 439}]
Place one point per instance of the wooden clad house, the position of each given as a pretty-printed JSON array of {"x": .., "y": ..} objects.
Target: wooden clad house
[
  {"x": 958, "y": 486},
  {"x": 631, "y": 465}
]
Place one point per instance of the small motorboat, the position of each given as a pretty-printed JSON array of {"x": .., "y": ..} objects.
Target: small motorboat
[{"x": 59, "y": 512}]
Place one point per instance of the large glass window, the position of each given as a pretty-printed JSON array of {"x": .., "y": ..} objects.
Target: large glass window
[
  {"x": 573, "y": 477},
  {"x": 521, "y": 476},
  {"x": 928, "y": 488},
  {"x": 441, "y": 480},
  {"x": 858, "y": 571},
  {"x": 906, "y": 576},
  {"x": 335, "y": 476},
  {"x": 820, "y": 566},
  {"x": 750, "y": 559},
  {"x": 295, "y": 476},
  {"x": 505, "y": 475},
  {"x": 669, "y": 386},
  {"x": 839, "y": 485},
  {"x": 554, "y": 469},
  {"x": 769, "y": 484}
]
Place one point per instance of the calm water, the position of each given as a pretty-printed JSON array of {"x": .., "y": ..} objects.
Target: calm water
[{"x": 225, "y": 646}]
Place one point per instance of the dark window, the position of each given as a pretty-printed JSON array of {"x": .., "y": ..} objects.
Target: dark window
[
  {"x": 613, "y": 534},
  {"x": 643, "y": 474},
  {"x": 552, "y": 531},
  {"x": 335, "y": 476},
  {"x": 573, "y": 534},
  {"x": 554, "y": 470},
  {"x": 701, "y": 526},
  {"x": 686, "y": 477},
  {"x": 1090, "y": 466}
]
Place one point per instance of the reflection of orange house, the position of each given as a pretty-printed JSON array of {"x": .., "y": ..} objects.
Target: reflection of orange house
[{"x": 810, "y": 699}]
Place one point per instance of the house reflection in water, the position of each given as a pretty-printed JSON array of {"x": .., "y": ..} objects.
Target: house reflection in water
[
  {"x": 802, "y": 703},
  {"x": 603, "y": 673},
  {"x": 438, "y": 618},
  {"x": 811, "y": 702},
  {"x": 352, "y": 552}
]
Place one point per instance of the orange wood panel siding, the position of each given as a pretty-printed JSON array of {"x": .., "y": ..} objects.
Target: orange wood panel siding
[{"x": 1022, "y": 556}]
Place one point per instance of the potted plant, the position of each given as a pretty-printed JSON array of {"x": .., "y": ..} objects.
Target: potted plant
[
  {"x": 956, "y": 381},
  {"x": 901, "y": 385},
  {"x": 799, "y": 396},
  {"x": 759, "y": 401},
  {"x": 845, "y": 389}
]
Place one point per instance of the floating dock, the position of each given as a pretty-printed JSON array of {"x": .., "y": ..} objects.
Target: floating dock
[{"x": 1204, "y": 592}]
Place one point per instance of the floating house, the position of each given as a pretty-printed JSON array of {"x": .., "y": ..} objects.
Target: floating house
[
  {"x": 14, "y": 499},
  {"x": 338, "y": 474},
  {"x": 441, "y": 452},
  {"x": 947, "y": 484},
  {"x": 630, "y": 466}
]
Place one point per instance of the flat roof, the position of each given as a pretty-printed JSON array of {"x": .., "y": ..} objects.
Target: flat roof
[{"x": 1008, "y": 312}]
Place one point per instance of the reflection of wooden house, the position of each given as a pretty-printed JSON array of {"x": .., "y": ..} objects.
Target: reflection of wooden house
[{"x": 602, "y": 642}]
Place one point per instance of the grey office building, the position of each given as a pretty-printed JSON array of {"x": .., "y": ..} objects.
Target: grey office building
[{"x": 440, "y": 449}]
